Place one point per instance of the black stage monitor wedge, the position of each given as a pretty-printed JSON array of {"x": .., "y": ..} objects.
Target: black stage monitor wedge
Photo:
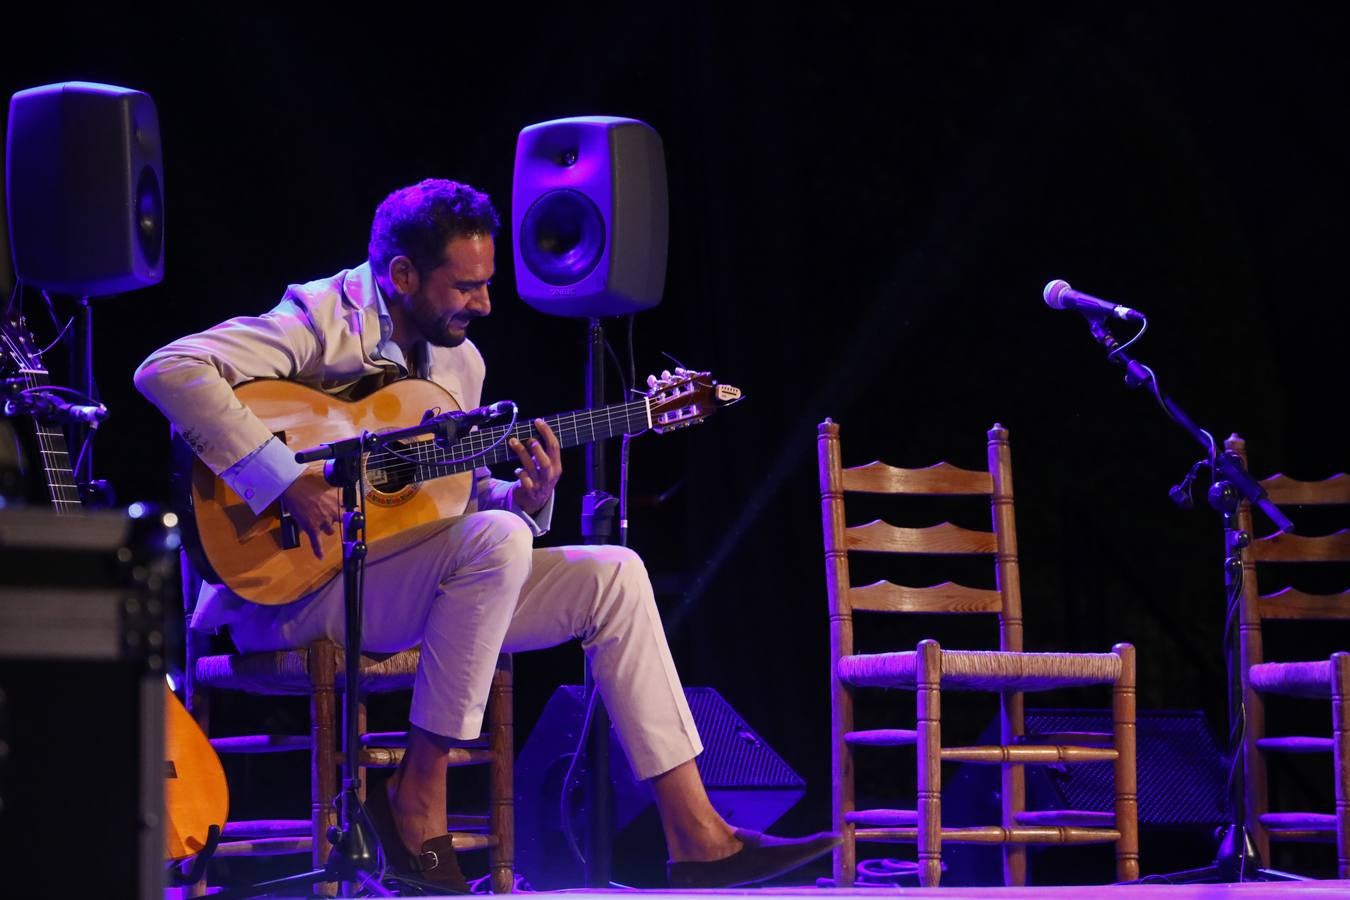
[
  {"x": 747, "y": 781},
  {"x": 589, "y": 216},
  {"x": 82, "y": 650},
  {"x": 84, "y": 182}
]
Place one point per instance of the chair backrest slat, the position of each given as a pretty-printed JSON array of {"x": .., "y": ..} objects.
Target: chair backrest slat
[
  {"x": 1295, "y": 604},
  {"x": 943, "y": 478},
  {"x": 1297, "y": 548},
  {"x": 1290, "y": 603},
  {"x": 945, "y": 539},
  {"x": 1286, "y": 491},
  {"x": 883, "y": 596}
]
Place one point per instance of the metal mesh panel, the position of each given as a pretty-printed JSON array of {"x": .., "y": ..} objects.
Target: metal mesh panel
[
  {"x": 734, "y": 755},
  {"x": 1181, "y": 776}
]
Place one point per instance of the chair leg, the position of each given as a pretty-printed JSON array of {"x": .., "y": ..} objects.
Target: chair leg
[
  {"x": 842, "y": 801},
  {"x": 352, "y": 888},
  {"x": 323, "y": 754},
  {"x": 1014, "y": 783},
  {"x": 362, "y": 715},
  {"x": 198, "y": 703},
  {"x": 1340, "y": 750},
  {"x": 501, "y": 812},
  {"x": 929, "y": 701},
  {"x": 1123, "y": 722}
]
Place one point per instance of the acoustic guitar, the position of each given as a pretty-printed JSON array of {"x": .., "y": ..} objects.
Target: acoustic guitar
[
  {"x": 195, "y": 794},
  {"x": 263, "y": 558}
]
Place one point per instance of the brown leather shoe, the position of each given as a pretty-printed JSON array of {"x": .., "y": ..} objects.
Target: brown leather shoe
[
  {"x": 435, "y": 869},
  {"x": 760, "y": 858}
]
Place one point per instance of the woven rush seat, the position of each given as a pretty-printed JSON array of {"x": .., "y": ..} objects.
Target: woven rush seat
[
  {"x": 983, "y": 670},
  {"x": 287, "y": 672},
  {"x": 1293, "y": 679}
]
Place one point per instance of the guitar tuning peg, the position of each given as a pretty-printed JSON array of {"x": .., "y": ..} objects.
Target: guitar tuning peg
[{"x": 665, "y": 375}]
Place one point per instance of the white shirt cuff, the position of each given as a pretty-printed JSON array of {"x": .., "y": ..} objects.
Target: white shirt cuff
[
  {"x": 541, "y": 521},
  {"x": 260, "y": 477}
]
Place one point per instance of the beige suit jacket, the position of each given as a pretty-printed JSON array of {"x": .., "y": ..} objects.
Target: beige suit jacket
[{"x": 323, "y": 334}]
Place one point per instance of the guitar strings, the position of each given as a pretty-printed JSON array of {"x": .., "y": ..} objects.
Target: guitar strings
[
  {"x": 568, "y": 427},
  {"x": 52, "y": 454}
]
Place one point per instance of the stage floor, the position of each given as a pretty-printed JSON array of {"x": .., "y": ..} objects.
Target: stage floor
[{"x": 1247, "y": 891}]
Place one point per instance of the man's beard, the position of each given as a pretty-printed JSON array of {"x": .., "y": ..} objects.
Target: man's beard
[{"x": 440, "y": 335}]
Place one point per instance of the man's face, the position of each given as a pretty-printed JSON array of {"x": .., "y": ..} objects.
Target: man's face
[{"x": 439, "y": 305}]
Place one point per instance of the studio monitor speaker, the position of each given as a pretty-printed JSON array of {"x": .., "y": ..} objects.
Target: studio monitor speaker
[
  {"x": 589, "y": 216},
  {"x": 749, "y": 784},
  {"x": 85, "y": 188}
]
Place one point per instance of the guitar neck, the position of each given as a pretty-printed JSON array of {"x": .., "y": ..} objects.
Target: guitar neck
[
  {"x": 51, "y": 441},
  {"x": 572, "y": 429},
  {"x": 56, "y": 463}
]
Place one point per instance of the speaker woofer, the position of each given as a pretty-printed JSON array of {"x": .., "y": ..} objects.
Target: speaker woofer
[
  {"x": 562, "y": 237},
  {"x": 149, "y": 216}
]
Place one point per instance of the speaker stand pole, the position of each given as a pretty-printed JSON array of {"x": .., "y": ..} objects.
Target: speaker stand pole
[
  {"x": 597, "y": 528},
  {"x": 92, "y": 492}
]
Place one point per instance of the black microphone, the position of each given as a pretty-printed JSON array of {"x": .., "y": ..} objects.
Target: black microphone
[
  {"x": 75, "y": 412},
  {"x": 1058, "y": 295},
  {"x": 481, "y": 414},
  {"x": 53, "y": 410}
]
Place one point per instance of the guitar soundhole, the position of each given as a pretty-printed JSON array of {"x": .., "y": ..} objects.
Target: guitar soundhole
[{"x": 396, "y": 480}]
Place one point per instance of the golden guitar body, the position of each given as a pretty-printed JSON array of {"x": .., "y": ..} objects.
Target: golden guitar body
[
  {"x": 195, "y": 794},
  {"x": 249, "y": 553}
]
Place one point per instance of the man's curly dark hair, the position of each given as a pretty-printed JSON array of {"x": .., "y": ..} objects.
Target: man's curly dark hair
[{"x": 419, "y": 220}]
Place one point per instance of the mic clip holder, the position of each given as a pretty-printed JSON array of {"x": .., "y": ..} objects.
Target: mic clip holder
[
  {"x": 47, "y": 407},
  {"x": 1226, "y": 464},
  {"x": 445, "y": 426}
]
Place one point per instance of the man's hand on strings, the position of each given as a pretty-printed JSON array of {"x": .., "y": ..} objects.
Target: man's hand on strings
[
  {"x": 315, "y": 505},
  {"x": 540, "y": 467}
]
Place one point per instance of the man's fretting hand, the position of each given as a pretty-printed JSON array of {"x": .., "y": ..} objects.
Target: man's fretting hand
[
  {"x": 315, "y": 506},
  {"x": 540, "y": 467}
]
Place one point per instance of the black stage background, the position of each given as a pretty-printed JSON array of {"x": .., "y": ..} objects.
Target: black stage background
[{"x": 864, "y": 208}]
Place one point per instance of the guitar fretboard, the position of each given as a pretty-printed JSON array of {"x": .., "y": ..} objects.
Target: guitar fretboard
[
  {"x": 432, "y": 460},
  {"x": 51, "y": 440}
]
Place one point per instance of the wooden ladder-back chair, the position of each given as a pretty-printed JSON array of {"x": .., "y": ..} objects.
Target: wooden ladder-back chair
[
  {"x": 317, "y": 671},
  {"x": 1327, "y": 679},
  {"x": 929, "y": 670}
]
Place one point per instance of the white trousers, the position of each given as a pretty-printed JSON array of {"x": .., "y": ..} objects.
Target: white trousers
[{"x": 469, "y": 588}]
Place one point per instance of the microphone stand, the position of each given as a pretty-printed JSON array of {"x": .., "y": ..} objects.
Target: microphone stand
[
  {"x": 1237, "y": 858},
  {"x": 356, "y": 856}
]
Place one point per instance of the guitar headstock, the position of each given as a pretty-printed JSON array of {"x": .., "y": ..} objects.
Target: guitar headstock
[
  {"x": 686, "y": 398},
  {"x": 19, "y": 355}
]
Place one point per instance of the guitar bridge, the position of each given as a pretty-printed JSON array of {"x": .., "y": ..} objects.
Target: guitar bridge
[{"x": 290, "y": 532}]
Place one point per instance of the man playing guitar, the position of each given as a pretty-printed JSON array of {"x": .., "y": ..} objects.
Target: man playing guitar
[{"x": 464, "y": 586}]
